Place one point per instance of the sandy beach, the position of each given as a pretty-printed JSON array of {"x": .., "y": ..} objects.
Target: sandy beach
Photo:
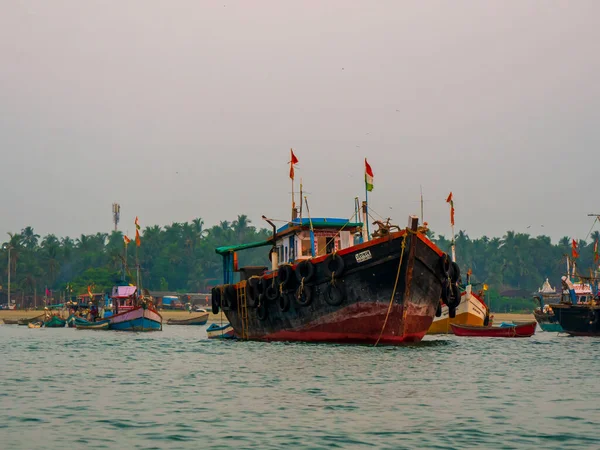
[{"x": 18, "y": 314}]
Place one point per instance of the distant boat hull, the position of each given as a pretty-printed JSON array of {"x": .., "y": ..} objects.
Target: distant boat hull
[
  {"x": 521, "y": 330},
  {"x": 547, "y": 322},
  {"x": 578, "y": 320},
  {"x": 215, "y": 331},
  {"x": 198, "y": 320},
  {"x": 11, "y": 321},
  {"x": 100, "y": 325},
  {"x": 24, "y": 321},
  {"x": 137, "y": 319},
  {"x": 470, "y": 311},
  {"x": 55, "y": 322}
]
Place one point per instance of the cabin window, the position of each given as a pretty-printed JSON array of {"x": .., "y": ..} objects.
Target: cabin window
[{"x": 306, "y": 250}]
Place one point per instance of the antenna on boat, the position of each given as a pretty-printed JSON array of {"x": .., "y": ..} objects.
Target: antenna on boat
[
  {"x": 312, "y": 231},
  {"x": 422, "y": 221},
  {"x": 293, "y": 161},
  {"x": 300, "y": 200}
]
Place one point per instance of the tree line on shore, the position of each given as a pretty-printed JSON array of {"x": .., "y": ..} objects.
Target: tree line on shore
[{"x": 181, "y": 257}]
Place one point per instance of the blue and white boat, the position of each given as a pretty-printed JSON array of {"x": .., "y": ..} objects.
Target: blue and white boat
[
  {"x": 131, "y": 313},
  {"x": 215, "y": 331}
]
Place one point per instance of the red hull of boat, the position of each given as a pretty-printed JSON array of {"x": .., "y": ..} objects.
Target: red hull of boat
[{"x": 523, "y": 330}]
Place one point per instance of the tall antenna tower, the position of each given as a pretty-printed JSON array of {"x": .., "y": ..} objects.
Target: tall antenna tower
[{"x": 116, "y": 210}]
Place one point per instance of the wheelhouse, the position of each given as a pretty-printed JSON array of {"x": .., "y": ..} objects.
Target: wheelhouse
[{"x": 298, "y": 240}]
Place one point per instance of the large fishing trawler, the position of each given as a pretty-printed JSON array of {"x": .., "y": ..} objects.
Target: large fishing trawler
[{"x": 330, "y": 280}]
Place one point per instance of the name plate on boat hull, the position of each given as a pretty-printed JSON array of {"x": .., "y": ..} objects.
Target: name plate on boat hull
[{"x": 363, "y": 256}]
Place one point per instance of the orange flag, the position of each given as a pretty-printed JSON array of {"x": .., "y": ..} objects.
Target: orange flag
[
  {"x": 126, "y": 239},
  {"x": 574, "y": 251},
  {"x": 293, "y": 160},
  {"x": 138, "y": 242},
  {"x": 451, "y": 201}
]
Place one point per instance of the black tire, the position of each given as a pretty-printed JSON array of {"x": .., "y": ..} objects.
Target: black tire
[
  {"x": 285, "y": 274},
  {"x": 283, "y": 302},
  {"x": 446, "y": 292},
  {"x": 225, "y": 298},
  {"x": 304, "y": 295},
  {"x": 305, "y": 270},
  {"x": 451, "y": 312},
  {"x": 445, "y": 265},
  {"x": 438, "y": 311},
  {"x": 486, "y": 320},
  {"x": 334, "y": 265},
  {"x": 216, "y": 300},
  {"x": 252, "y": 292},
  {"x": 261, "y": 310},
  {"x": 231, "y": 296},
  {"x": 455, "y": 272},
  {"x": 454, "y": 298},
  {"x": 271, "y": 292},
  {"x": 335, "y": 294}
]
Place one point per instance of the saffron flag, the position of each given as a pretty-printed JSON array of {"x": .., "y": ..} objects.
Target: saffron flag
[
  {"x": 138, "y": 242},
  {"x": 90, "y": 292},
  {"x": 485, "y": 287},
  {"x": 574, "y": 251},
  {"x": 293, "y": 160},
  {"x": 596, "y": 257},
  {"x": 451, "y": 201},
  {"x": 126, "y": 239},
  {"x": 368, "y": 176}
]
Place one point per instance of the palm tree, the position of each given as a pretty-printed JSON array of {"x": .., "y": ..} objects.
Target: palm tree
[{"x": 30, "y": 239}]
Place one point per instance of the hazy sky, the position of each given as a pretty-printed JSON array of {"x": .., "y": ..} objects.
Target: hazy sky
[{"x": 184, "y": 109}]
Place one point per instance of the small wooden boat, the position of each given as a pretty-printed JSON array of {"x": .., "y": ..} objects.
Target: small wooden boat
[
  {"x": 198, "y": 320},
  {"x": 215, "y": 331},
  {"x": 27, "y": 321},
  {"x": 506, "y": 330},
  {"x": 34, "y": 325},
  {"x": 10, "y": 321},
  {"x": 55, "y": 322},
  {"x": 101, "y": 325}
]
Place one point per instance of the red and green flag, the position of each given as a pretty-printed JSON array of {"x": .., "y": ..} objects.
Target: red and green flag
[
  {"x": 574, "y": 251},
  {"x": 368, "y": 176},
  {"x": 138, "y": 241}
]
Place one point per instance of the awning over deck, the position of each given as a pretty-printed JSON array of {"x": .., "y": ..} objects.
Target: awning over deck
[{"x": 235, "y": 248}]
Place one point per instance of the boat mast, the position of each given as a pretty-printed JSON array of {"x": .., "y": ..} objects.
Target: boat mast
[
  {"x": 312, "y": 231},
  {"x": 422, "y": 221}
]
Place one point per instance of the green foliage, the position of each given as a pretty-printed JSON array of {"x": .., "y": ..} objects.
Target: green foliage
[
  {"x": 179, "y": 257},
  {"x": 517, "y": 261}
]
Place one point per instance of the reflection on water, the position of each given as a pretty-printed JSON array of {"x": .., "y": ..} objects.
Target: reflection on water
[{"x": 176, "y": 389}]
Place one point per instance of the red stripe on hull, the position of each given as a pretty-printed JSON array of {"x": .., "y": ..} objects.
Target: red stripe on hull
[{"x": 362, "y": 323}]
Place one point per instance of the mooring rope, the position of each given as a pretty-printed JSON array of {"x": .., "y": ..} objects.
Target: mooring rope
[{"x": 394, "y": 290}]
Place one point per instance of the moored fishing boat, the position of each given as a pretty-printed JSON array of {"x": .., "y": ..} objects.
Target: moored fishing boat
[
  {"x": 331, "y": 281},
  {"x": 99, "y": 325},
  {"x": 197, "y": 320},
  {"x": 10, "y": 321},
  {"x": 26, "y": 321},
  {"x": 215, "y": 331},
  {"x": 133, "y": 313},
  {"x": 471, "y": 310},
  {"x": 544, "y": 314},
  {"x": 55, "y": 322},
  {"x": 507, "y": 331}
]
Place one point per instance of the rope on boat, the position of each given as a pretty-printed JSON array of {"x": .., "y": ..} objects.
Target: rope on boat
[{"x": 394, "y": 290}]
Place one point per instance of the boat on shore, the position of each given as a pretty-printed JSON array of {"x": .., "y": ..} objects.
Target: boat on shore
[
  {"x": 330, "y": 280},
  {"x": 27, "y": 321},
  {"x": 506, "y": 331},
  {"x": 10, "y": 321},
  {"x": 215, "y": 331},
  {"x": 197, "y": 320}
]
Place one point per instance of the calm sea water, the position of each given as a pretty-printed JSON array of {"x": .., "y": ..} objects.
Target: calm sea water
[{"x": 66, "y": 388}]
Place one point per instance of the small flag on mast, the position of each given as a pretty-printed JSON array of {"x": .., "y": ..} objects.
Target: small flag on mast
[
  {"x": 485, "y": 287},
  {"x": 596, "y": 257},
  {"x": 574, "y": 251},
  {"x": 451, "y": 201},
  {"x": 368, "y": 176},
  {"x": 126, "y": 239},
  {"x": 293, "y": 160},
  {"x": 138, "y": 242}
]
